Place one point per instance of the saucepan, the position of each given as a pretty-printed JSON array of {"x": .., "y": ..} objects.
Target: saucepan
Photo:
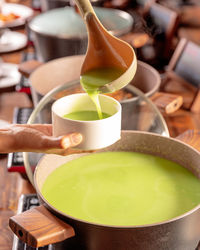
[
  {"x": 46, "y": 76},
  {"x": 46, "y": 225}
]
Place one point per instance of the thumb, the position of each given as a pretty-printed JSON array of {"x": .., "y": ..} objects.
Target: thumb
[
  {"x": 63, "y": 142},
  {"x": 71, "y": 140}
]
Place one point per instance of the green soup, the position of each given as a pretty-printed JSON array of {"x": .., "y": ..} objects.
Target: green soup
[
  {"x": 86, "y": 115},
  {"x": 96, "y": 78},
  {"x": 93, "y": 79},
  {"x": 122, "y": 188}
]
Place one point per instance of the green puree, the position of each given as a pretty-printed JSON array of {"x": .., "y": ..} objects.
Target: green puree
[
  {"x": 96, "y": 78},
  {"x": 122, "y": 188},
  {"x": 88, "y": 115}
]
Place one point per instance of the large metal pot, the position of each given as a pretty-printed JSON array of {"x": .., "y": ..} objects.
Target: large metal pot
[
  {"x": 40, "y": 226},
  {"x": 61, "y": 32}
]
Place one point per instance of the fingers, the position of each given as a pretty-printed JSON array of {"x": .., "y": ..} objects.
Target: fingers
[
  {"x": 71, "y": 140},
  {"x": 62, "y": 142},
  {"x": 37, "y": 138},
  {"x": 65, "y": 145},
  {"x": 62, "y": 145}
]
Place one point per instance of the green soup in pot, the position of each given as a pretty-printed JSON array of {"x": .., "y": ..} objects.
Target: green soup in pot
[{"x": 122, "y": 188}]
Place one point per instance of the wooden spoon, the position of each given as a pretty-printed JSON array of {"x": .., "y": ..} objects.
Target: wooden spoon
[{"x": 104, "y": 50}]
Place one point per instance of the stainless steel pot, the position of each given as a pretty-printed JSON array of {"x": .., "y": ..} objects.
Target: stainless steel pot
[
  {"x": 41, "y": 226},
  {"x": 61, "y": 32}
]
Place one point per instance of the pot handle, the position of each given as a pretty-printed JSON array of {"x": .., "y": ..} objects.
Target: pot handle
[
  {"x": 191, "y": 137},
  {"x": 26, "y": 68},
  {"x": 38, "y": 227},
  {"x": 167, "y": 102}
]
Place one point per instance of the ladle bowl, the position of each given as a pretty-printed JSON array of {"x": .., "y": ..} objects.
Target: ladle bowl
[{"x": 104, "y": 50}]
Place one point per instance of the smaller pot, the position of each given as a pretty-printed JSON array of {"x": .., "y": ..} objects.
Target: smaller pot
[{"x": 67, "y": 69}]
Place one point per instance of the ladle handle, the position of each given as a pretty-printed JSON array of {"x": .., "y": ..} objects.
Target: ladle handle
[
  {"x": 38, "y": 227},
  {"x": 84, "y": 6},
  {"x": 191, "y": 137}
]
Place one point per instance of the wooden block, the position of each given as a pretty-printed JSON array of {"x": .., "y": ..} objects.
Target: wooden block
[
  {"x": 166, "y": 102},
  {"x": 38, "y": 227},
  {"x": 176, "y": 85}
]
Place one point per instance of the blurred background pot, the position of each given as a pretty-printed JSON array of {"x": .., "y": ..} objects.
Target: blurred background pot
[
  {"x": 53, "y": 4},
  {"x": 61, "y": 32},
  {"x": 45, "y": 77}
]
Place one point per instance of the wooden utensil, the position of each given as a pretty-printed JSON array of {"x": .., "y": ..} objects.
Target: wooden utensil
[{"x": 105, "y": 50}]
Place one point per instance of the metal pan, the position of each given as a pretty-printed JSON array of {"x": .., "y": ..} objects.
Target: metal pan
[{"x": 41, "y": 226}]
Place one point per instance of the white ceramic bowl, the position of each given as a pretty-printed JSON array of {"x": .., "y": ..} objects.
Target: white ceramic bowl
[{"x": 96, "y": 134}]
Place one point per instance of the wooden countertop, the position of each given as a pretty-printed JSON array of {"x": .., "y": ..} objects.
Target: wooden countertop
[{"x": 12, "y": 185}]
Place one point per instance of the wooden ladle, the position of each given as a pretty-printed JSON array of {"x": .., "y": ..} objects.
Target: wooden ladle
[{"x": 104, "y": 50}]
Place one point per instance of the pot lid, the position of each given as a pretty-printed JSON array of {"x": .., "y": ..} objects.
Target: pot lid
[{"x": 67, "y": 23}]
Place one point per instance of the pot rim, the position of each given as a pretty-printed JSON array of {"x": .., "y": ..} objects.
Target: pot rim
[
  {"x": 64, "y": 215},
  {"x": 142, "y": 64},
  {"x": 151, "y": 91},
  {"x": 117, "y": 33}
]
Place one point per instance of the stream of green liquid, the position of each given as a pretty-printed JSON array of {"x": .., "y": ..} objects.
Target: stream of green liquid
[
  {"x": 122, "y": 188},
  {"x": 92, "y": 80}
]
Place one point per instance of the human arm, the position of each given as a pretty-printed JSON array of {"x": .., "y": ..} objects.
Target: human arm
[{"x": 36, "y": 138}]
